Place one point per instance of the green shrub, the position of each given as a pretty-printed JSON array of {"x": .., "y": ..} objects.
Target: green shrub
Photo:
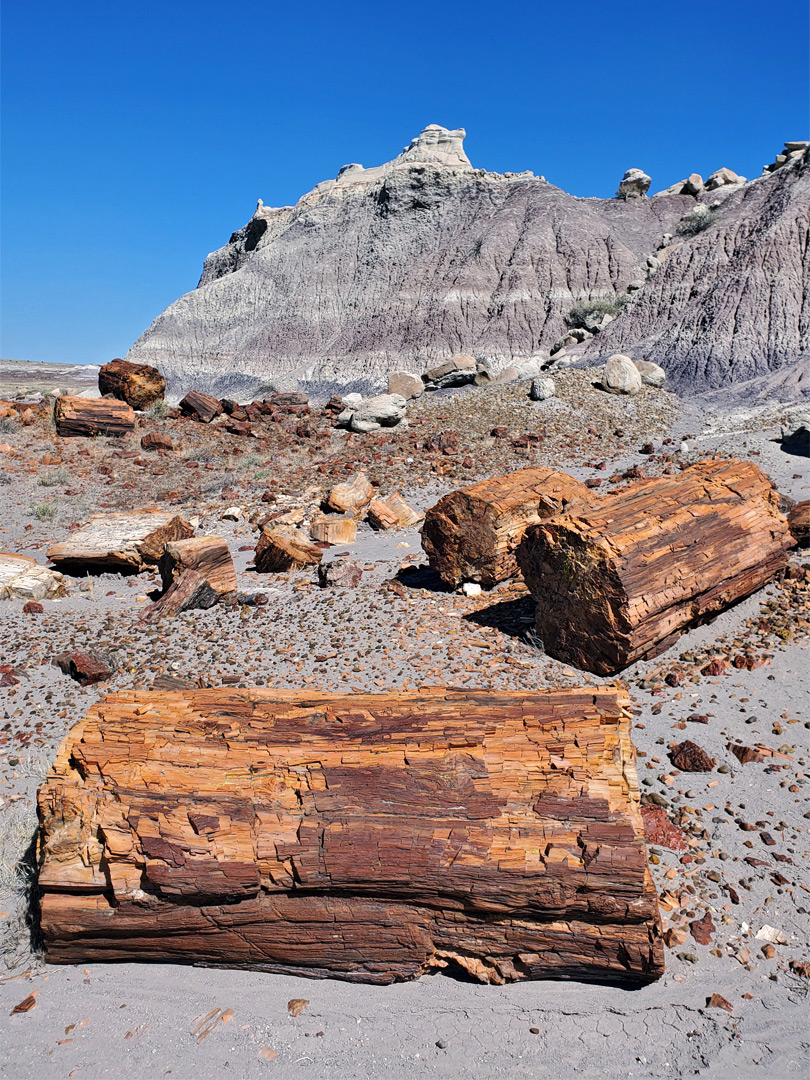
[
  {"x": 695, "y": 221},
  {"x": 54, "y": 479},
  {"x": 158, "y": 410},
  {"x": 581, "y": 312},
  {"x": 44, "y": 511}
]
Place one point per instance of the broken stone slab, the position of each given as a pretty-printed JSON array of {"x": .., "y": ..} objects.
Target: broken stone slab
[
  {"x": 723, "y": 178},
  {"x": 22, "y": 578},
  {"x": 157, "y": 440},
  {"x": 385, "y": 410},
  {"x": 364, "y": 837},
  {"x": 77, "y": 417},
  {"x": 139, "y": 385},
  {"x": 459, "y": 370},
  {"x": 128, "y": 541}
]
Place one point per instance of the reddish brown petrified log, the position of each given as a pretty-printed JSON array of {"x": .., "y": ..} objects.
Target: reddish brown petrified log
[
  {"x": 472, "y": 534},
  {"x": 799, "y": 520},
  {"x": 119, "y": 541},
  {"x": 157, "y": 440},
  {"x": 137, "y": 384},
  {"x": 333, "y": 529},
  {"x": 285, "y": 548},
  {"x": 620, "y": 579},
  {"x": 202, "y": 407},
  {"x": 392, "y": 512},
  {"x": 368, "y": 837},
  {"x": 208, "y": 555},
  {"x": 191, "y": 590},
  {"x": 76, "y": 416}
]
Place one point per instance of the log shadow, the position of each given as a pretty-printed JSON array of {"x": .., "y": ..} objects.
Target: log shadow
[
  {"x": 515, "y": 618},
  {"x": 796, "y": 445},
  {"x": 421, "y": 577}
]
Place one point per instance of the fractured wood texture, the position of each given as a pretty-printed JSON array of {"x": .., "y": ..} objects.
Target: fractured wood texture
[
  {"x": 191, "y": 590},
  {"x": 209, "y": 555},
  {"x": 392, "y": 512},
  {"x": 334, "y": 529},
  {"x": 799, "y": 521},
  {"x": 139, "y": 385},
  {"x": 285, "y": 548},
  {"x": 367, "y": 837},
  {"x": 126, "y": 541},
  {"x": 351, "y": 497},
  {"x": 76, "y": 416},
  {"x": 201, "y": 406},
  {"x": 620, "y": 579},
  {"x": 472, "y": 534}
]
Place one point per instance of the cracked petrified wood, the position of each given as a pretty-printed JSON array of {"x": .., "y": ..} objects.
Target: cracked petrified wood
[
  {"x": 126, "y": 541},
  {"x": 367, "y": 837},
  {"x": 208, "y": 555},
  {"x": 77, "y": 416},
  {"x": 472, "y": 534},
  {"x": 139, "y": 385},
  {"x": 620, "y": 579}
]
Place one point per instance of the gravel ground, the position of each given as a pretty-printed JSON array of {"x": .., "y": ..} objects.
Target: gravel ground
[{"x": 400, "y": 629}]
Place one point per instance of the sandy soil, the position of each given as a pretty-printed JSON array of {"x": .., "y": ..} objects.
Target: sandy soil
[{"x": 114, "y": 1020}]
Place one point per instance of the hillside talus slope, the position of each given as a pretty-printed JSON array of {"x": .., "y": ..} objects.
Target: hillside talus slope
[{"x": 405, "y": 264}]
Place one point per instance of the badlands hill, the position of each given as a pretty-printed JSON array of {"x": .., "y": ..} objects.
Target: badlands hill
[{"x": 402, "y": 265}]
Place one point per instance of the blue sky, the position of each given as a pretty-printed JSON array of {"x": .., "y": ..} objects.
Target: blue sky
[{"x": 138, "y": 136}]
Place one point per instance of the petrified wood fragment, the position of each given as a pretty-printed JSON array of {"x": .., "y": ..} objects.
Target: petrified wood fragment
[
  {"x": 799, "y": 521},
  {"x": 76, "y": 416},
  {"x": 621, "y": 578},
  {"x": 368, "y": 837},
  {"x": 125, "y": 541},
  {"x": 201, "y": 406},
  {"x": 472, "y": 534},
  {"x": 333, "y": 529},
  {"x": 285, "y": 548},
  {"x": 351, "y": 497},
  {"x": 191, "y": 590},
  {"x": 139, "y": 385},
  {"x": 208, "y": 555},
  {"x": 22, "y": 578},
  {"x": 392, "y": 512},
  {"x": 157, "y": 440}
]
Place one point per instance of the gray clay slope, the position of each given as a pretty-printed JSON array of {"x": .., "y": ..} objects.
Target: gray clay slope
[{"x": 401, "y": 265}]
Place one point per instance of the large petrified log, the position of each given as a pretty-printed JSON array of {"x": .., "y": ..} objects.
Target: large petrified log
[
  {"x": 126, "y": 541},
  {"x": 472, "y": 534},
  {"x": 139, "y": 385},
  {"x": 22, "y": 578},
  {"x": 620, "y": 579},
  {"x": 284, "y": 547},
  {"x": 368, "y": 837},
  {"x": 352, "y": 496},
  {"x": 77, "y": 416}
]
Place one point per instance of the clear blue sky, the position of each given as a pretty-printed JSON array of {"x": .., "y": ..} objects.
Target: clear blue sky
[{"x": 138, "y": 136}]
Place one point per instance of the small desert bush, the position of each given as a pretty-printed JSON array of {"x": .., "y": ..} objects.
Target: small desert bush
[
  {"x": 55, "y": 478},
  {"x": 248, "y": 461},
  {"x": 581, "y": 312},
  {"x": 158, "y": 410},
  {"x": 4, "y": 477},
  {"x": 44, "y": 511},
  {"x": 8, "y": 425},
  {"x": 695, "y": 221}
]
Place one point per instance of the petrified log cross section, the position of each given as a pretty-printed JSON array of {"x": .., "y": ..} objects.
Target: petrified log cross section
[{"x": 368, "y": 837}]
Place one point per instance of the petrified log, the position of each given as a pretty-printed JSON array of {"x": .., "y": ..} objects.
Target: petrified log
[
  {"x": 191, "y": 590},
  {"x": 367, "y": 837},
  {"x": 799, "y": 521},
  {"x": 285, "y": 548},
  {"x": 208, "y": 555},
  {"x": 76, "y": 416},
  {"x": 139, "y": 385},
  {"x": 620, "y": 579},
  {"x": 123, "y": 541},
  {"x": 472, "y": 534},
  {"x": 201, "y": 406},
  {"x": 157, "y": 440},
  {"x": 392, "y": 513},
  {"x": 351, "y": 497},
  {"x": 335, "y": 529}
]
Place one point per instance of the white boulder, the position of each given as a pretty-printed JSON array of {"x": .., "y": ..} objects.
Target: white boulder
[{"x": 621, "y": 376}]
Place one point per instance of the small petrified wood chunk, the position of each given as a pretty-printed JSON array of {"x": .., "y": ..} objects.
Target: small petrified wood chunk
[
  {"x": 77, "y": 416},
  {"x": 799, "y": 521},
  {"x": 341, "y": 573},
  {"x": 285, "y": 548},
  {"x": 620, "y": 579},
  {"x": 84, "y": 667},
  {"x": 392, "y": 512},
  {"x": 689, "y": 757},
  {"x": 157, "y": 440},
  {"x": 139, "y": 385},
  {"x": 22, "y": 578},
  {"x": 126, "y": 541},
  {"x": 367, "y": 837},
  {"x": 201, "y": 406},
  {"x": 472, "y": 534},
  {"x": 333, "y": 529},
  {"x": 352, "y": 497},
  {"x": 191, "y": 590},
  {"x": 208, "y": 555}
]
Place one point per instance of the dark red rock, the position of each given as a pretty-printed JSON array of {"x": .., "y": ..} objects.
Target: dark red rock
[
  {"x": 660, "y": 831},
  {"x": 702, "y": 930},
  {"x": 340, "y": 572},
  {"x": 717, "y": 1001},
  {"x": 674, "y": 678},
  {"x": 84, "y": 667},
  {"x": 715, "y": 667},
  {"x": 744, "y": 754},
  {"x": 31, "y": 607},
  {"x": 689, "y": 757},
  {"x": 157, "y": 440}
]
